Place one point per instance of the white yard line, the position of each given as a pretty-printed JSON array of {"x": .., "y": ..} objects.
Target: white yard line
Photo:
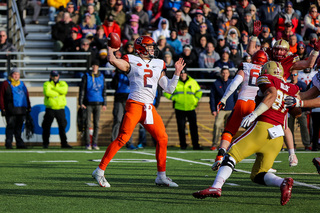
[{"x": 237, "y": 170}]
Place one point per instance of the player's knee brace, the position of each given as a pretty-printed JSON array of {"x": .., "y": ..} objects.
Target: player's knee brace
[
  {"x": 259, "y": 178},
  {"x": 228, "y": 161}
]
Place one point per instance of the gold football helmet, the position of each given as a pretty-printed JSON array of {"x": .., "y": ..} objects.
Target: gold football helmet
[
  {"x": 273, "y": 68},
  {"x": 280, "y": 44}
]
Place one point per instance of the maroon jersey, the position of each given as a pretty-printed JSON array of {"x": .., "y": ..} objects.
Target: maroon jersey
[
  {"x": 286, "y": 63},
  {"x": 276, "y": 113}
]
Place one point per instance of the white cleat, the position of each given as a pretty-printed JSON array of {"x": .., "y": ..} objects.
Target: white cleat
[
  {"x": 293, "y": 160},
  {"x": 165, "y": 182},
  {"x": 272, "y": 170},
  {"x": 100, "y": 179}
]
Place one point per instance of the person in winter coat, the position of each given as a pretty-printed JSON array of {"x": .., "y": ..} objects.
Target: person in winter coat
[
  {"x": 92, "y": 97},
  {"x": 185, "y": 100},
  {"x": 163, "y": 29},
  {"x": 14, "y": 105},
  {"x": 55, "y": 92}
]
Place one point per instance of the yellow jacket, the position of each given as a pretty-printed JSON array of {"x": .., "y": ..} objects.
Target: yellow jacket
[
  {"x": 58, "y": 3},
  {"x": 55, "y": 94},
  {"x": 186, "y": 95}
]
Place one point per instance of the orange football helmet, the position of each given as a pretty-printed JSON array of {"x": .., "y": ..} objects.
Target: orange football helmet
[
  {"x": 260, "y": 57},
  {"x": 142, "y": 42}
]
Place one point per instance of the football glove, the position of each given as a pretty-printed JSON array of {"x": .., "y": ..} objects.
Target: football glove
[
  {"x": 257, "y": 28},
  {"x": 247, "y": 121},
  {"x": 290, "y": 101},
  {"x": 221, "y": 105}
]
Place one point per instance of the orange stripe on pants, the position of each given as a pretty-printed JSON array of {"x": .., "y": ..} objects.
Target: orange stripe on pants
[
  {"x": 134, "y": 114},
  {"x": 240, "y": 110}
]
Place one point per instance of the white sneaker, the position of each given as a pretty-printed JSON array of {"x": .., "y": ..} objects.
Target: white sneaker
[
  {"x": 165, "y": 182},
  {"x": 95, "y": 147},
  {"x": 88, "y": 147},
  {"x": 272, "y": 170},
  {"x": 100, "y": 179},
  {"x": 293, "y": 160}
]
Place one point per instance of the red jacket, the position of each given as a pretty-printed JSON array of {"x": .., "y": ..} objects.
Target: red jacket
[
  {"x": 115, "y": 28},
  {"x": 282, "y": 20}
]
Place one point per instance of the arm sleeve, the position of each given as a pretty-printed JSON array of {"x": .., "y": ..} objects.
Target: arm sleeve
[
  {"x": 169, "y": 85},
  {"x": 232, "y": 86}
]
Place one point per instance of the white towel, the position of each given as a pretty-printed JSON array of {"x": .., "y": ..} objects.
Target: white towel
[{"x": 149, "y": 115}]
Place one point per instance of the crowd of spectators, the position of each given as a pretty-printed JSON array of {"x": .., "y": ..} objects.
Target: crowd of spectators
[{"x": 207, "y": 34}]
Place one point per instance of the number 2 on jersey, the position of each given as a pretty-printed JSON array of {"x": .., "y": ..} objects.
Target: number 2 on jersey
[
  {"x": 147, "y": 74},
  {"x": 254, "y": 74}
]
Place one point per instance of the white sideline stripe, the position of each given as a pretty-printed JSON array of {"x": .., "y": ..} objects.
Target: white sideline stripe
[
  {"x": 92, "y": 184},
  {"x": 20, "y": 184},
  {"x": 237, "y": 170},
  {"x": 54, "y": 161}
]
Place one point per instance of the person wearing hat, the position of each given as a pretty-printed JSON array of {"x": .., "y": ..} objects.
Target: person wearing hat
[
  {"x": 286, "y": 33},
  {"x": 287, "y": 15},
  {"x": 131, "y": 28},
  {"x": 92, "y": 97},
  {"x": 110, "y": 26},
  {"x": 190, "y": 58},
  {"x": 194, "y": 26},
  {"x": 225, "y": 61},
  {"x": 313, "y": 38},
  {"x": 235, "y": 55},
  {"x": 14, "y": 105},
  {"x": 301, "y": 50},
  {"x": 246, "y": 24},
  {"x": 72, "y": 43},
  {"x": 186, "y": 12},
  {"x": 185, "y": 100},
  {"x": 143, "y": 15},
  {"x": 118, "y": 14},
  {"x": 55, "y": 92},
  {"x": 163, "y": 29},
  {"x": 266, "y": 36},
  {"x": 221, "y": 44},
  {"x": 71, "y": 9}
]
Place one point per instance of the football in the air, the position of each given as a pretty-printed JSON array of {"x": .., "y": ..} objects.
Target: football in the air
[{"x": 114, "y": 40}]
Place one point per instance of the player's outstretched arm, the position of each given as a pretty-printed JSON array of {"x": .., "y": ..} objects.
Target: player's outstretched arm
[
  {"x": 179, "y": 65},
  {"x": 238, "y": 79},
  {"x": 118, "y": 63}
]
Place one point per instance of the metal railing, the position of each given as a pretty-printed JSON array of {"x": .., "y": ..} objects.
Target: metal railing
[
  {"x": 14, "y": 27},
  {"x": 46, "y": 69}
]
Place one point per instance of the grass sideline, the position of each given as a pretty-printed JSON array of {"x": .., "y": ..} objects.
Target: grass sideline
[{"x": 62, "y": 186}]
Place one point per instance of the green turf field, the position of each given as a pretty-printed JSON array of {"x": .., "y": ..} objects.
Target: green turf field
[{"x": 56, "y": 180}]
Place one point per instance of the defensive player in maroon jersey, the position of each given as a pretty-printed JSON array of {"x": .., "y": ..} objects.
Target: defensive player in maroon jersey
[
  {"x": 290, "y": 62},
  {"x": 264, "y": 137}
]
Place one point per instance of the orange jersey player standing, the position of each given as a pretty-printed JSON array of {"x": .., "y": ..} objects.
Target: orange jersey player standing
[
  {"x": 247, "y": 74},
  {"x": 264, "y": 137},
  {"x": 144, "y": 72}
]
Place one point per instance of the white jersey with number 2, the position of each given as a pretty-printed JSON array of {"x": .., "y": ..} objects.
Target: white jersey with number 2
[
  {"x": 144, "y": 77},
  {"x": 249, "y": 86}
]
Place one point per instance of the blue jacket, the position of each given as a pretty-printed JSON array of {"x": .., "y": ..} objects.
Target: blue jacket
[
  {"x": 217, "y": 90},
  {"x": 176, "y": 45},
  {"x": 95, "y": 88}
]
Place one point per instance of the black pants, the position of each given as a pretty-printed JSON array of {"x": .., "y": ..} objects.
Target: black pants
[
  {"x": 14, "y": 127},
  {"x": 46, "y": 125},
  {"x": 315, "y": 129},
  {"x": 181, "y": 123}
]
